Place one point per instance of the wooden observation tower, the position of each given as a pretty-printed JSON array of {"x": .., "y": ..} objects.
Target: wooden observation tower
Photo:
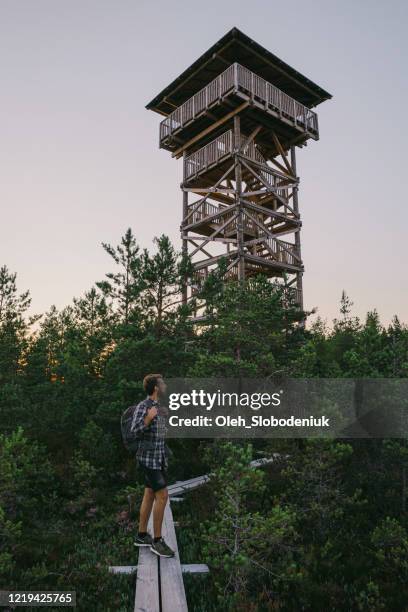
[{"x": 236, "y": 116}]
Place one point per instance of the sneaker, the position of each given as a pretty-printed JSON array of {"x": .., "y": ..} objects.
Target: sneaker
[
  {"x": 160, "y": 548},
  {"x": 146, "y": 540}
]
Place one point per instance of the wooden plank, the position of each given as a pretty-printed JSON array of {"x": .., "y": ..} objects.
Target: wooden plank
[
  {"x": 283, "y": 154},
  {"x": 217, "y": 231},
  {"x": 199, "y": 247},
  {"x": 173, "y": 596},
  {"x": 271, "y": 188},
  {"x": 201, "y": 201},
  {"x": 250, "y": 138},
  {"x": 269, "y": 212},
  {"x": 204, "y": 263},
  {"x": 267, "y": 460},
  {"x": 187, "y": 485},
  {"x": 147, "y": 580},
  {"x": 123, "y": 569},
  {"x": 181, "y": 487},
  {"x": 186, "y": 568},
  {"x": 195, "y": 568},
  {"x": 210, "y": 218}
]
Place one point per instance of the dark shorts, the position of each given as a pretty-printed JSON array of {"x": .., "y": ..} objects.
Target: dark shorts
[{"x": 154, "y": 479}]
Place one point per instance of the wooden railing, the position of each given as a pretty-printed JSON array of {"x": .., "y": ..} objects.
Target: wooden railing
[
  {"x": 290, "y": 294},
  {"x": 208, "y": 155},
  {"x": 219, "y": 149},
  {"x": 256, "y": 86},
  {"x": 278, "y": 250},
  {"x": 269, "y": 175},
  {"x": 281, "y": 251},
  {"x": 198, "y": 103},
  {"x": 293, "y": 294},
  {"x": 251, "y": 151},
  {"x": 207, "y": 209},
  {"x": 238, "y": 78}
]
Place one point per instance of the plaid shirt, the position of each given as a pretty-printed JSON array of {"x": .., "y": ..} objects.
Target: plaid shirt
[{"x": 152, "y": 448}]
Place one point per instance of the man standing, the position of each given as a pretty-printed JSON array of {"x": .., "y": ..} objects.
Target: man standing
[{"x": 149, "y": 419}]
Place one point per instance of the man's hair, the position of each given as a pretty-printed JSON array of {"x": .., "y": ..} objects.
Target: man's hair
[{"x": 150, "y": 381}]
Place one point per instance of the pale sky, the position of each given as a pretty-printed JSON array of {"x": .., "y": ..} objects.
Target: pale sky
[{"x": 79, "y": 156}]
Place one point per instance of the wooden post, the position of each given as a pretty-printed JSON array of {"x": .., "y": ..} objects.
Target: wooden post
[
  {"x": 238, "y": 189},
  {"x": 184, "y": 241},
  {"x": 316, "y": 125},
  {"x": 235, "y": 76},
  {"x": 299, "y": 281}
]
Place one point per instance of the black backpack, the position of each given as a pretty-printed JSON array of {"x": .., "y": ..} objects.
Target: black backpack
[{"x": 130, "y": 438}]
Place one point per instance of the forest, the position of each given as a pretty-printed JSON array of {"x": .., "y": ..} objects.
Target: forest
[{"x": 324, "y": 529}]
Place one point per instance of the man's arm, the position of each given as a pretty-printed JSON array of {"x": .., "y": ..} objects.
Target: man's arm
[{"x": 142, "y": 418}]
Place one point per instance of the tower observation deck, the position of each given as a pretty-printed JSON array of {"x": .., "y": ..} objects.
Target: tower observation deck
[{"x": 236, "y": 116}]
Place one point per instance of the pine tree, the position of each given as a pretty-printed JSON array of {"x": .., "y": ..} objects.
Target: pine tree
[
  {"x": 163, "y": 275},
  {"x": 124, "y": 287}
]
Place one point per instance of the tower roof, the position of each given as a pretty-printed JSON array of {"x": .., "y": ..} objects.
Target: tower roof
[{"x": 235, "y": 46}]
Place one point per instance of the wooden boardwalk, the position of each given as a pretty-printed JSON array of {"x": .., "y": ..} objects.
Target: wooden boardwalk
[
  {"x": 159, "y": 581},
  {"x": 173, "y": 596},
  {"x": 147, "y": 579}
]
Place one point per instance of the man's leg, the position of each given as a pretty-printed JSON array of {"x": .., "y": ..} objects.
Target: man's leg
[
  {"x": 145, "y": 509},
  {"x": 161, "y": 497},
  {"x": 159, "y": 546}
]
